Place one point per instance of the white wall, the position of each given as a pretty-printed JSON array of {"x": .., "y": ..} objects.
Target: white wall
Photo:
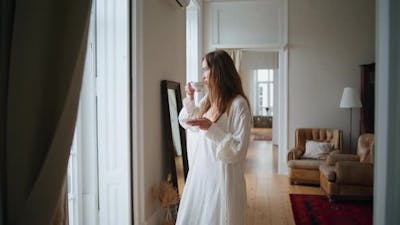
[
  {"x": 328, "y": 40},
  {"x": 243, "y": 23},
  {"x": 161, "y": 34}
]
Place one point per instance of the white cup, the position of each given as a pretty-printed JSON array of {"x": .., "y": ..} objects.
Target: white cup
[{"x": 198, "y": 86}]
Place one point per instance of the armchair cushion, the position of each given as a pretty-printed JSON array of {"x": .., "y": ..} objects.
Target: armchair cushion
[
  {"x": 317, "y": 150},
  {"x": 311, "y": 164},
  {"x": 354, "y": 173},
  {"x": 333, "y": 158}
]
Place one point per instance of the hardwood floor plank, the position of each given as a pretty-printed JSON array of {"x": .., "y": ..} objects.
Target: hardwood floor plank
[{"x": 267, "y": 192}]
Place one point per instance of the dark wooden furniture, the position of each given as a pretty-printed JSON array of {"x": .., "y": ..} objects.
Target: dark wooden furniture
[
  {"x": 262, "y": 121},
  {"x": 367, "y": 98}
]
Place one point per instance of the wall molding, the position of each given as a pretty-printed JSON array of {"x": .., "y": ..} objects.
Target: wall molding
[
  {"x": 252, "y": 47},
  {"x": 138, "y": 188},
  {"x": 220, "y": 20}
]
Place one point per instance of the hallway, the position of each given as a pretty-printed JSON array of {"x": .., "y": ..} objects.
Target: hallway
[{"x": 267, "y": 192}]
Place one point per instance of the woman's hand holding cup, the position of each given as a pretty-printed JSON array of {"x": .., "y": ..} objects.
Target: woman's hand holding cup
[
  {"x": 203, "y": 123},
  {"x": 189, "y": 90}
]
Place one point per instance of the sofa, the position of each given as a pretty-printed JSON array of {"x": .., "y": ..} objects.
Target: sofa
[
  {"x": 350, "y": 176},
  {"x": 305, "y": 170}
]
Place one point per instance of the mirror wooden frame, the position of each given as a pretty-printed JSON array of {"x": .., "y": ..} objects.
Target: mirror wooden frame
[{"x": 165, "y": 85}]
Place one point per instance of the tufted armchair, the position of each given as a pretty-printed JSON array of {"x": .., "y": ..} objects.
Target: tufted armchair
[
  {"x": 304, "y": 170},
  {"x": 350, "y": 175}
]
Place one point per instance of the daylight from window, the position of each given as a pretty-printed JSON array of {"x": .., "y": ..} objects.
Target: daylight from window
[{"x": 264, "y": 83}]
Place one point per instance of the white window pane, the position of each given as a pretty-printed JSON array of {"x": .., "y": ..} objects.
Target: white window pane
[
  {"x": 262, "y": 75},
  {"x": 69, "y": 175},
  {"x": 264, "y": 91},
  {"x": 264, "y": 94},
  {"x": 70, "y": 212},
  {"x": 72, "y": 182},
  {"x": 271, "y": 94},
  {"x": 269, "y": 76}
]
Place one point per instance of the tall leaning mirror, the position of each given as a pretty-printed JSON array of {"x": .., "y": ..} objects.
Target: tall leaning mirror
[{"x": 175, "y": 137}]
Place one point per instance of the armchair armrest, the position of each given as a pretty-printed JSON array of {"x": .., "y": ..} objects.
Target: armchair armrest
[
  {"x": 332, "y": 159},
  {"x": 354, "y": 173},
  {"x": 335, "y": 151},
  {"x": 294, "y": 153}
]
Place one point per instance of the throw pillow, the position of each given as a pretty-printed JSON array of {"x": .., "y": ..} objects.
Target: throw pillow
[{"x": 317, "y": 150}]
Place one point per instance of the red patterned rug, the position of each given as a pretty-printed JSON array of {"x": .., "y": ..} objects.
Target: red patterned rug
[{"x": 317, "y": 210}]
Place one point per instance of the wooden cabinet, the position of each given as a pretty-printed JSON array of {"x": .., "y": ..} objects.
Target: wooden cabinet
[
  {"x": 367, "y": 98},
  {"x": 262, "y": 121}
]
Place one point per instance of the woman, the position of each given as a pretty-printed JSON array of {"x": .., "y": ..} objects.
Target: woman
[{"x": 215, "y": 189}]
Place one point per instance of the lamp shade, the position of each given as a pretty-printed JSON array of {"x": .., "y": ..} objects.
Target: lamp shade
[{"x": 350, "y": 98}]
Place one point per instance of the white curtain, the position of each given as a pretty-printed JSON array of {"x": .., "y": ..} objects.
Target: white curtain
[
  {"x": 236, "y": 55},
  {"x": 260, "y": 60}
]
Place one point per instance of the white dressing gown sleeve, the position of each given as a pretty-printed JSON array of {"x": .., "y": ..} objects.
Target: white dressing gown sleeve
[
  {"x": 189, "y": 112},
  {"x": 232, "y": 145}
]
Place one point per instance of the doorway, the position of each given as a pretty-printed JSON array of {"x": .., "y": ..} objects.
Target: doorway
[{"x": 259, "y": 72}]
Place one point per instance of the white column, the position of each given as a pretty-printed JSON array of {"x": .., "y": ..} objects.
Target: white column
[{"x": 387, "y": 108}]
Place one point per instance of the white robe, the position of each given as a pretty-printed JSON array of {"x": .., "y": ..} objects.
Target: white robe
[{"x": 215, "y": 189}]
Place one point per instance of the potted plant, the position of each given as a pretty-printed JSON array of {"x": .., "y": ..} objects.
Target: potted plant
[{"x": 169, "y": 198}]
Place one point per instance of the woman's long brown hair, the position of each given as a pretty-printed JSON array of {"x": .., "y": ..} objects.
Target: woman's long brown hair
[{"x": 224, "y": 82}]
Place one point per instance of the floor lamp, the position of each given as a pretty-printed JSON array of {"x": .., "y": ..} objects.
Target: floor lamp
[{"x": 350, "y": 99}]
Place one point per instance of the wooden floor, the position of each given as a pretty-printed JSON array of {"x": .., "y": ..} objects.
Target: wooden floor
[
  {"x": 267, "y": 192},
  {"x": 261, "y": 130}
]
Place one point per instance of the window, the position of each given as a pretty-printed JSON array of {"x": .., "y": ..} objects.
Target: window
[
  {"x": 73, "y": 193},
  {"x": 264, "y": 88},
  {"x": 99, "y": 170},
  {"x": 192, "y": 42},
  {"x": 193, "y": 18}
]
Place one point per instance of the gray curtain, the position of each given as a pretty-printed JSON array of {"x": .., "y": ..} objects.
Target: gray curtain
[
  {"x": 6, "y": 18},
  {"x": 39, "y": 99}
]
